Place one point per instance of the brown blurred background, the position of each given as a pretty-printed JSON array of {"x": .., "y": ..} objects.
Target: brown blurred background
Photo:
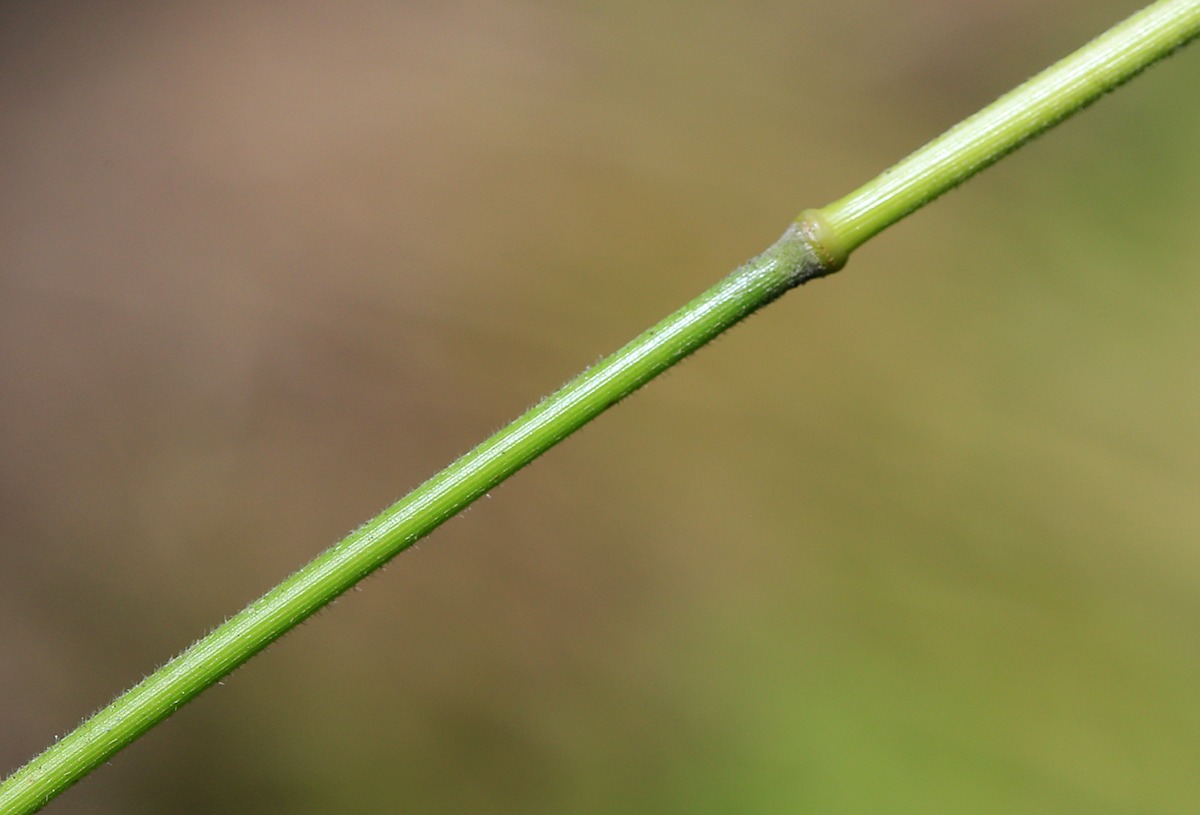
[{"x": 923, "y": 537}]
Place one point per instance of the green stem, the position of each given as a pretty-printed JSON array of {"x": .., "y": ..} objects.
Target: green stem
[
  {"x": 1065, "y": 88},
  {"x": 815, "y": 245},
  {"x": 789, "y": 262}
]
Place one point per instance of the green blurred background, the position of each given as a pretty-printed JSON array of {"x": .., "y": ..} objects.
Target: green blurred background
[{"x": 923, "y": 537}]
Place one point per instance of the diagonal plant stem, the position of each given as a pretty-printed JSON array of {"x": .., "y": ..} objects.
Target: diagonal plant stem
[
  {"x": 817, "y": 244},
  {"x": 979, "y": 141}
]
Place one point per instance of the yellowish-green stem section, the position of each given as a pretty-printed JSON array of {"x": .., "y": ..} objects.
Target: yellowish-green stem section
[
  {"x": 817, "y": 244},
  {"x": 1061, "y": 90}
]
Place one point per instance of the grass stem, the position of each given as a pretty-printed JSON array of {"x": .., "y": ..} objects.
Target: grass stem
[{"x": 817, "y": 244}]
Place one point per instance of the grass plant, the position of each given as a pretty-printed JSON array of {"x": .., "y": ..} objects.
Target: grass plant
[{"x": 816, "y": 244}]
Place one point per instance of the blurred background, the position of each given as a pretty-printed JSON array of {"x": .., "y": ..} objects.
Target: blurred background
[{"x": 922, "y": 537}]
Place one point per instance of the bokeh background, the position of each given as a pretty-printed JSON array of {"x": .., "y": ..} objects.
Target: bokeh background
[{"x": 923, "y": 537}]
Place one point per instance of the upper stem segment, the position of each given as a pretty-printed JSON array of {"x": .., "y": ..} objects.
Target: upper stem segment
[{"x": 1056, "y": 93}]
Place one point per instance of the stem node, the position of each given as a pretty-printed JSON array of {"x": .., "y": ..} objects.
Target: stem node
[{"x": 824, "y": 240}]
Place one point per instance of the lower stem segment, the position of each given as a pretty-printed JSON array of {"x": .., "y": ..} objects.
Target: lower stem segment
[{"x": 801, "y": 254}]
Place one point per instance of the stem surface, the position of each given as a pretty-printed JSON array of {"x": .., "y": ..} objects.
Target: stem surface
[
  {"x": 1035, "y": 106},
  {"x": 815, "y": 245}
]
